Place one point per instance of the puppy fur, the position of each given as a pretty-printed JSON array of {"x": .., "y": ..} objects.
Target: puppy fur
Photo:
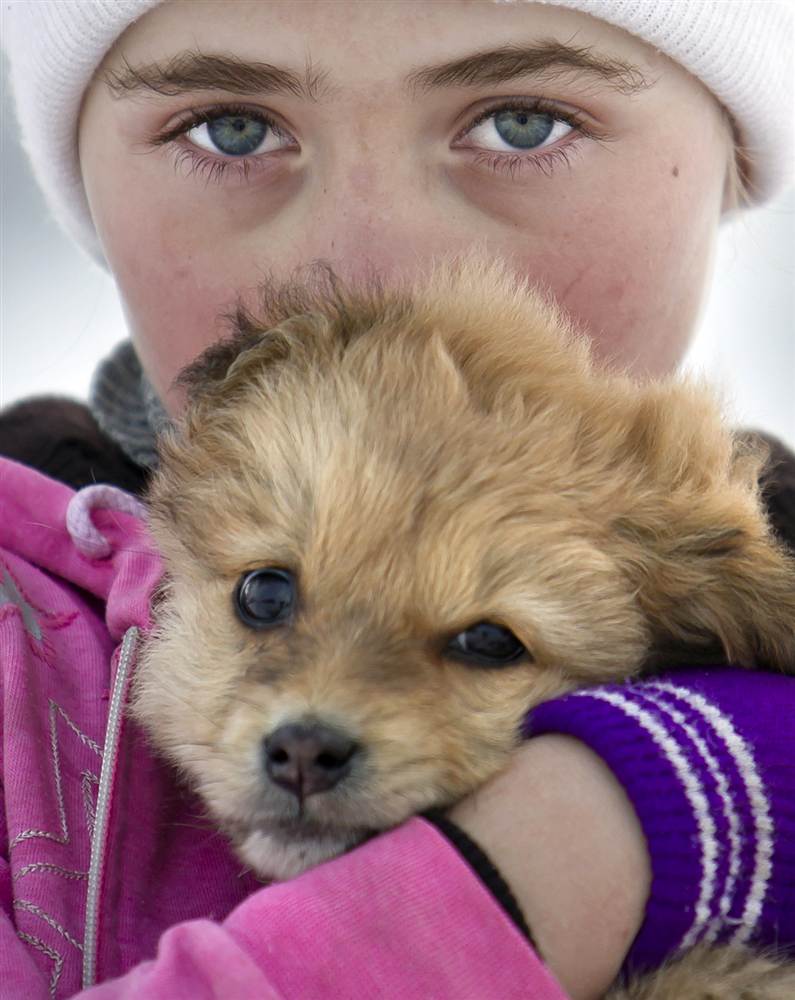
[
  {"x": 714, "y": 974},
  {"x": 423, "y": 459}
]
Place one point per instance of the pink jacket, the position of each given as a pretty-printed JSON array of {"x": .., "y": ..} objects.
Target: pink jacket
[{"x": 109, "y": 868}]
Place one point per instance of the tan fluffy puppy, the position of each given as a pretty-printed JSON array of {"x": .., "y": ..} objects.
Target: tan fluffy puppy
[{"x": 393, "y": 521}]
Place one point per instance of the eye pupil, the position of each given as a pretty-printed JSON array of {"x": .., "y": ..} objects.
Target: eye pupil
[
  {"x": 265, "y": 597},
  {"x": 487, "y": 644}
]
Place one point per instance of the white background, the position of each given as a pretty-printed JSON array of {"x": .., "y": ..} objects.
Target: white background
[{"x": 60, "y": 313}]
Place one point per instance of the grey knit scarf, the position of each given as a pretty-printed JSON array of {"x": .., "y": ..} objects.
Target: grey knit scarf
[{"x": 126, "y": 406}]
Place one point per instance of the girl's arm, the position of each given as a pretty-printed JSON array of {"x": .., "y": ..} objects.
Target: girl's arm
[
  {"x": 666, "y": 806},
  {"x": 640, "y": 818},
  {"x": 705, "y": 759},
  {"x": 402, "y": 915},
  {"x": 565, "y": 837}
]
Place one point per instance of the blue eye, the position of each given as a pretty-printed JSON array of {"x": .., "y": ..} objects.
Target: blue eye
[
  {"x": 487, "y": 645},
  {"x": 523, "y": 129},
  {"x": 237, "y": 135},
  {"x": 265, "y": 598},
  {"x": 531, "y": 127}
]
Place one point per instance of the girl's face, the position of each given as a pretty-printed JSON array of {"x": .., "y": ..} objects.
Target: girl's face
[{"x": 223, "y": 142}]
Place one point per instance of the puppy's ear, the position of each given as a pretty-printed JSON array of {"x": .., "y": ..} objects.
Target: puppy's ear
[
  {"x": 707, "y": 569},
  {"x": 229, "y": 362},
  {"x": 290, "y": 318}
]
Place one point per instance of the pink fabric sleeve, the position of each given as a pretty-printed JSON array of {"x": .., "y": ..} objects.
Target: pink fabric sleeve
[{"x": 402, "y": 915}]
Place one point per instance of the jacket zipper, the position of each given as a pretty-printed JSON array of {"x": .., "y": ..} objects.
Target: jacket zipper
[{"x": 99, "y": 840}]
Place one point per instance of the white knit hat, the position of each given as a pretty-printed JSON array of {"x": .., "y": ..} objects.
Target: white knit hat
[{"x": 742, "y": 50}]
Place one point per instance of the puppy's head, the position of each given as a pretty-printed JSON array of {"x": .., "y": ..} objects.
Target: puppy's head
[{"x": 393, "y": 521}]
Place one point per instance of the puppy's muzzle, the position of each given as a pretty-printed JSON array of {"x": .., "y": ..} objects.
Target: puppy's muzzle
[{"x": 308, "y": 757}]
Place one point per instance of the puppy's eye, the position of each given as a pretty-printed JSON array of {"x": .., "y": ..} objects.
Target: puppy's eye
[
  {"x": 486, "y": 644},
  {"x": 265, "y": 597}
]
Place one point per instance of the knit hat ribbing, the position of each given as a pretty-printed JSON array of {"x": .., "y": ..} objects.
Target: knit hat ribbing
[{"x": 742, "y": 50}]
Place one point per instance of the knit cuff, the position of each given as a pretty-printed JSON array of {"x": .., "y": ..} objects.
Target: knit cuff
[{"x": 705, "y": 758}]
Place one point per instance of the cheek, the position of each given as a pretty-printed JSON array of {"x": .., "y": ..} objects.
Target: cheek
[
  {"x": 639, "y": 295},
  {"x": 177, "y": 278},
  {"x": 624, "y": 241},
  {"x": 173, "y": 299},
  {"x": 172, "y": 320},
  {"x": 631, "y": 278}
]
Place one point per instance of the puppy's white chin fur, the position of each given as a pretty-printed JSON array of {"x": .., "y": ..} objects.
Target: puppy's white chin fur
[{"x": 276, "y": 858}]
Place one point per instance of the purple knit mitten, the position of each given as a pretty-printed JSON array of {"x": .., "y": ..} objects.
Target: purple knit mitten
[{"x": 707, "y": 757}]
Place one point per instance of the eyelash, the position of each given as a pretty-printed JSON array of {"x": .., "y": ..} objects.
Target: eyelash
[{"x": 216, "y": 170}]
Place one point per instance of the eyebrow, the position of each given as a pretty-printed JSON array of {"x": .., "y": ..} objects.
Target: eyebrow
[
  {"x": 190, "y": 71},
  {"x": 509, "y": 62}
]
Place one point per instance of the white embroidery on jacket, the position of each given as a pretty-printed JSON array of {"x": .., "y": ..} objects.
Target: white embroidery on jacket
[
  {"x": 63, "y": 837},
  {"x": 87, "y": 780},
  {"x": 37, "y": 911},
  {"x": 57, "y": 958},
  {"x": 45, "y": 866}
]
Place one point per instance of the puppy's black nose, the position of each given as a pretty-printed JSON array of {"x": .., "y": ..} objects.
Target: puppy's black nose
[{"x": 308, "y": 757}]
